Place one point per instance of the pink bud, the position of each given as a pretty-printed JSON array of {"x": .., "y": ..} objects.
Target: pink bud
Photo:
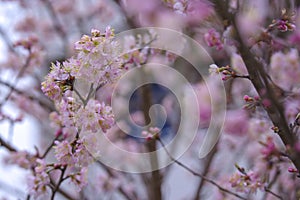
[
  {"x": 266, "y": 103},
  {"x": 247, "y": 98},
  {"x": 292, "y": 170}
]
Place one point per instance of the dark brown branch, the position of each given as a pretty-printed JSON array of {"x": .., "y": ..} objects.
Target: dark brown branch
[
  {"x": 61, "y": 179},
  {"x": 62, "y": 192},
  {"x": 260, "y": 81},
  {"x": 6, "y": 145},
  {"x": 49, "y": 147}
]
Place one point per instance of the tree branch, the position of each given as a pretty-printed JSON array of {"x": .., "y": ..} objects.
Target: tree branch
[
  {"x": 198, "y": 174},
  {"x": 260, "y": 81}
]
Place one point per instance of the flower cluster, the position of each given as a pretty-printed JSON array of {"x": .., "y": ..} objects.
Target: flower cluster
[
  {"x": 94, "y": 116},
  {"x": 251, "y": 102},
  {"x": 227, "y": 72},
  {"x": 286, "y": 23},
  {"x": 253, "y": 59},
  {"x": 98, "y": 58},
  {"x": 269, "y": 148},
  {"x": 72, "y": 153},
  {"x": 79, "y": 179},
  {"x": 153, "y": 133},
  {"x": 38, "y": 183},
  {"x": 245, "y": 181},
  {"x": 97, "y": 62}
]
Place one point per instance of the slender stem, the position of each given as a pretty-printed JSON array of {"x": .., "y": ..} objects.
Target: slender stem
[
  {"x": 57, "y": 25},
  {"x": 241, "y": 76},
  {"x": 49, "y": 147},
  {"x": 90, "y": 93},
  {"x": 205, "y": 171},
  {"x": 272, "y": 182},
  {"x": 61, "y": 178},
  {"x": 80, "y": 97},
  {"x": 198, "y": 174},
  {"x": 7, "y": 40},
  {"x": 6, "y": 145},
  {"x": 62, "y": 192},
  {"x": 39, "y": 101},
  {"x": 12, "y": 149},
  {"x": 274, "y": 194},
  {"x": 120, "y": 188},
  {"x": 20, "y": 73}
]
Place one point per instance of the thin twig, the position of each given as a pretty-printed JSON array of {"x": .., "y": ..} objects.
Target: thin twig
[
  {"x": 79, "y": 95},
  {"x": 24, "y": 67},
  {"x": 198, "y": 174},
  {"x": 274, "y": 194},
  {"x": 32, "y": 98},
  {"x": 7, "y": 41},
  {"x": 49, "y": 147},
  {"x": 120, "y": 188},
  {"x": 61, "y": 179},
  {"x": 272, "y": 182},
  {"x": 205, "y": 171},
  {"x": 57, "y": 25},
  {"x": 241, "y": 76},
  {"x": 6, "y": 145}
]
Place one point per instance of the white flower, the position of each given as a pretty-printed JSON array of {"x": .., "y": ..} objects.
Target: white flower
[{"x": 213, "y": 69}]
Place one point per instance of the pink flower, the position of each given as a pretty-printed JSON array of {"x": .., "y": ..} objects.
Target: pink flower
[
  {"x": 285, "y": 25},
  {"x": 198, "y": 10},
  {"x": 95, "y": 116},
  {"x": 39, "y": 181},
  {"x": 51, "y": 89},
  {"x": 269, "y": 148},
  {"x": 80, "y": 179},
  {"x": 213, "y": 39},
  {"x": 292, "y": 170},
  {"x": 285, "y": 69},
  {"x": 81, "y": 156},
  {"x": 248, "y": 182},
  {"x": 63, "y": 152},
  {"x": 73, "y": 154},
  {"x": 58, "y": 72}
]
